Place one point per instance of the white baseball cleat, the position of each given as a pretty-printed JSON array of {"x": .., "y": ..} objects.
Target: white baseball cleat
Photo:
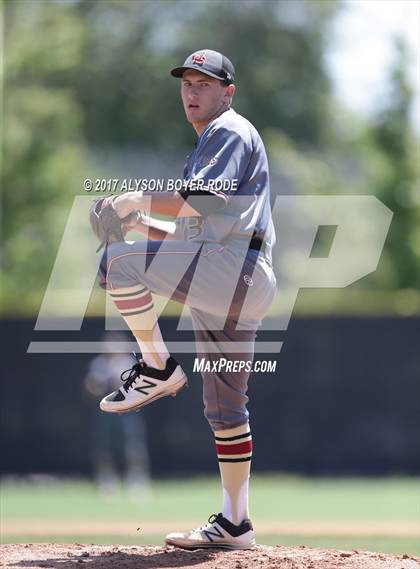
[
  {"x": 143, "y": 385},
  {"x": 217, "y": 533}
]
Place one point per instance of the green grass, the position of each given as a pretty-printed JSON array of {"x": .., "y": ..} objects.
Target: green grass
[
  {"x": 272, "y": 498},
  {"x": 276, "y": 498}
]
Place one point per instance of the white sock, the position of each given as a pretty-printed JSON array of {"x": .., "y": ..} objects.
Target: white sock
[
  {"x": 135, "y": 304},
  {"x": 234, "y": 452}
]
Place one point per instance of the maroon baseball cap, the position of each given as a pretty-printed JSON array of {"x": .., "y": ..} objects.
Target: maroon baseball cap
[{"x": 211, "y": 63}]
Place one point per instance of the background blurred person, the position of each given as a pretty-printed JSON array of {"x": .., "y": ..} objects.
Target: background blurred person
[{"x": 119, "y": 442}]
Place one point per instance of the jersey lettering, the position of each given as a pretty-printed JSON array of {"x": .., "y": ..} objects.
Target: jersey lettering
[{"x": 194, "y": 228}]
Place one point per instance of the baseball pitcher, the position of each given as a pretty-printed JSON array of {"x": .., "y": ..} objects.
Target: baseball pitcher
[{"x": 215, "y": 257}]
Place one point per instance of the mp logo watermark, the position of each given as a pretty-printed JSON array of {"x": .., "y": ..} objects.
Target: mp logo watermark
[{"x": 357, "y": 225}]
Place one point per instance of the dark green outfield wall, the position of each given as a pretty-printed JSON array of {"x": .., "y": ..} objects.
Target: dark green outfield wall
[{"x": 345, "y": 400}]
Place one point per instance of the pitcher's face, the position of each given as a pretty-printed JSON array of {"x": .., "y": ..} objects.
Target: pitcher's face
[{"x": 203, "y": 97}]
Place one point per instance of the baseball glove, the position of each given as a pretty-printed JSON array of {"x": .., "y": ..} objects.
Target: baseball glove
[{"x": 106, "y": 224}]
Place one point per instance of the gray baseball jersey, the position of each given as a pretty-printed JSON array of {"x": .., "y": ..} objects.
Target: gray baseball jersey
[{"x": 230, "y": 153}]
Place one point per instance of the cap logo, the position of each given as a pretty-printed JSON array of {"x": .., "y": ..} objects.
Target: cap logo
[{"x": 199, "y": 58}]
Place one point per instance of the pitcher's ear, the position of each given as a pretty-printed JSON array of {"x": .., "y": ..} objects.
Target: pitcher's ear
[{"x": 231, "y": 90}]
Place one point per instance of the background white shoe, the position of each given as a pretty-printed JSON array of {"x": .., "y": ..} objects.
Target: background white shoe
[
  {"x": 217, "y": 533},
  {"x": 143, "y": 385}
]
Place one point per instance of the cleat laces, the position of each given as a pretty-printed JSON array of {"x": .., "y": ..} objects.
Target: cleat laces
[
  {"x": 129, "y": 376},
  {"x": 211, "y": 520}
]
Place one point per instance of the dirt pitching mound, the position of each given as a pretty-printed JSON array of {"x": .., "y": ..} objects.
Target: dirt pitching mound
[{"x": 68, "y": 556}]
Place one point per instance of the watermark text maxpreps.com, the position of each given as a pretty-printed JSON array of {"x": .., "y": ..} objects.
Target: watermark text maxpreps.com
[{"x": 222, "y": 364}]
